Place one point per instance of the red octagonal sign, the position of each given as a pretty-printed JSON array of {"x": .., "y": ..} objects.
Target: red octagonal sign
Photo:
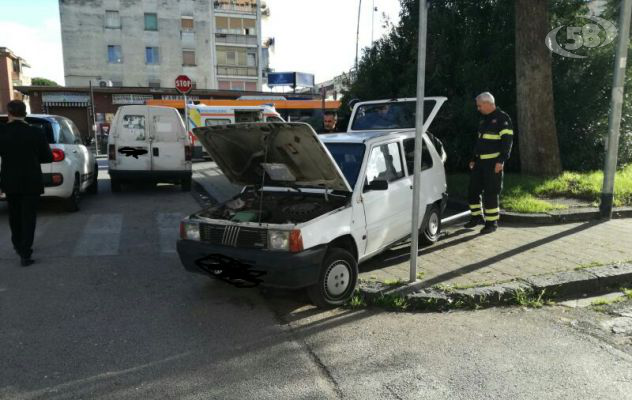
[{"x": 183, "y": 84}]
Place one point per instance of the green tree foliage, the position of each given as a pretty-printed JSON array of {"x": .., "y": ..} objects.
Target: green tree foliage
[
  {"x": 43, "y": 82},
  {"x": 471, "y": 50}
]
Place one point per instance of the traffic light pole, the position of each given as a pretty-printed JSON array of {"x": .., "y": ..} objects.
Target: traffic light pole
[{"x": 616, "y": 105}]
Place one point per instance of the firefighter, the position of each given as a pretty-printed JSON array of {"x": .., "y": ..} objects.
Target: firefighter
[{"x": 492, "y": 150}]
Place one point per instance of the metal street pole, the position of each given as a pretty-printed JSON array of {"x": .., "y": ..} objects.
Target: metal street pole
[
  {"x": 358, "y": 34},
  {"x": 419, "y": 124},
  {"x": 186, "y": 113},
  {"x": 259, "y": 50},
  {"x": 616, "y": 105},
  {"x": 94, "y": 119}
]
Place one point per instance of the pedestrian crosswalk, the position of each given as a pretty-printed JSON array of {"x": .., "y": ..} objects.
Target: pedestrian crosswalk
[{"x": 99, "y": 235}]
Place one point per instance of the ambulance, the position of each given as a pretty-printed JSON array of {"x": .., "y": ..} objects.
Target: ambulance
[{"x": 203, "y": 115}]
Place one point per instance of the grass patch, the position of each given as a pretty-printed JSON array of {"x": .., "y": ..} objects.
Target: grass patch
[
  {"x": 356, "y": 302},
  {"x": 627, "y": 293},
  {"x": 606, "y": 302},
  {"x": 420, "y": 275},
  {"x": 590, "y": 265},
  {"x": 530, "y": 299},
  {"x": 393, "y": 282},
  {"x": 530, "y": 194}
]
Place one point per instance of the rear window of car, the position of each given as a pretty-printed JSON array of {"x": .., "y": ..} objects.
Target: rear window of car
[{"x": 44, "y": 124}]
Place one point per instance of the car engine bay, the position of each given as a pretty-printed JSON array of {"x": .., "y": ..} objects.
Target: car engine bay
[{"x": 275, "y": 207}]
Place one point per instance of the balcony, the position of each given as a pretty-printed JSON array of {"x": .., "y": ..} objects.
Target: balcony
[
  {"x": 225, "y": 70},
  {"x": 242, "y": 7},
  {"x": 229, "y": 38}
]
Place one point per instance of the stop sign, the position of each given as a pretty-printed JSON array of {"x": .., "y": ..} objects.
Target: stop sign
[{"x": 183, "y": 84}]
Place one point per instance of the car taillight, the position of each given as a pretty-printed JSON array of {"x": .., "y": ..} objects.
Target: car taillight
[
  {"x": 296, "y": 241},
  {"x": 112, "y": 152},
  {"x": 187, "y": 153},
  {"x": 58, "y": 155}
]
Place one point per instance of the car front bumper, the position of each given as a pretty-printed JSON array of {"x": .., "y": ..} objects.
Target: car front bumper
[{"x": 268, "y": 268}]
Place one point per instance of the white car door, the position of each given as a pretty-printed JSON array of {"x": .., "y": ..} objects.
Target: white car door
[
  {"x": 70, "y": 145},
  {"x": 84, "y": 157},
  {"x": 387, "y": 211}
]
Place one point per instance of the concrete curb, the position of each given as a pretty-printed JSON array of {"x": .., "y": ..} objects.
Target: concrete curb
[
  {"x": 552, "y": 218},
  {"x": 555, "y": 286}
]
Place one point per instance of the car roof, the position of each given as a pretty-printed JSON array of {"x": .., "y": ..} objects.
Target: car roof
[
  {"x": 367, "y": 137},
  {"x": 40, "y": 116}
]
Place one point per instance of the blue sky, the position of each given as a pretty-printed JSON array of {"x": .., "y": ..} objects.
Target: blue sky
[{"x": 316, "y": 37}]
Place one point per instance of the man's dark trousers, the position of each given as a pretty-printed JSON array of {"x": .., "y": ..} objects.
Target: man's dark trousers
[
  {"x": 22, "y": 218},
  {"x": 484, "y": 180}
]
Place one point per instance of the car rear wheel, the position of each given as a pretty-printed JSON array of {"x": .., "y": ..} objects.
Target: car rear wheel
[
  {"x": 185, "y": 185},
  {"x": 432, "y": 229},
  {"x": 115, "y": 185},
  {"x": 337, "y": 281},
  {"x": 94, "y": 183},
  {"x": 72, "y": 203}
]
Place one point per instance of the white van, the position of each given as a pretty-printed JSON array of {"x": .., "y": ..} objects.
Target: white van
[
  {"x": 203, "y": 115},
  {"x": 149, "y": 143}
]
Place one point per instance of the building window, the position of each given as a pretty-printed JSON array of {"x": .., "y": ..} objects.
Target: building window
[
  {"x": 112, "y": 19},
  {"x": 221, "y": 24},
  {"x": 188, "y": 57},
  {"x": 251, "y": 86},
  {"x": 152, "y": 56},
  {"x": 187, "y": 24},
  {"x": 252, "y": 60},
  {"x": 224, "y": 85},
  {"x": 115, "y": 56},
  {"x": 250, "y": 27},
  {"x": 153, "y": 84},
  {"x": 117, "y": 83},
  {"x": 151, "y": 22}
]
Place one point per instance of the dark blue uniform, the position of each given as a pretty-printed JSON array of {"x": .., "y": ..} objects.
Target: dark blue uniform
[{"x": 495, "y": 139}]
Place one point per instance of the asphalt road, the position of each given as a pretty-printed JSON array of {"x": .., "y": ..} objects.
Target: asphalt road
[{"x": 107, "y": 312}]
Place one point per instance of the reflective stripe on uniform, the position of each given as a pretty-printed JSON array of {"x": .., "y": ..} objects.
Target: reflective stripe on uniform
[
  {"x": 475, "y": 206},
  {"x": 492, "y": 218},
  {"x": 489, "y": 156},
  {"x": 506, "y": 132},
  {"x": 492, "y": 211},
  {"x": 476, "y": 213},
  {"x": 491, "y": 136}
]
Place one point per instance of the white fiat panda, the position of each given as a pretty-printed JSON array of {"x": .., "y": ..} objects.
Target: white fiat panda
[
  {"x": 314, "y": 207},
  {"x": 149, "y": 143}
]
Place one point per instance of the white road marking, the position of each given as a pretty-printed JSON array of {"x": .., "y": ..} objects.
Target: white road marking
[
  {"x": 168, "y": 228},
  {"x": 101, "y": 236}
]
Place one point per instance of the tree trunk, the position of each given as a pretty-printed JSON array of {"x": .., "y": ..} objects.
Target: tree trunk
[{"x": 539, "y": 149}]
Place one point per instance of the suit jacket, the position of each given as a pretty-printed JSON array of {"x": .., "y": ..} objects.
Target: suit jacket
[{"x": 23, "y": 148}]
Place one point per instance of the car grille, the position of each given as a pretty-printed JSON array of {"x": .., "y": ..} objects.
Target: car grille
[{"x": 234, "y": 236}]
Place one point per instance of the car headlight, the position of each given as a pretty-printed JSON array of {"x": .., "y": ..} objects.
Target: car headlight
[
  {"x": 279, "y": 240},
  {"x": 190, "y": 230}
]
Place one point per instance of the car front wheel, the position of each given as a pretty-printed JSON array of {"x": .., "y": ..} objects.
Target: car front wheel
[
  {"x": 432, "y": 229},
  {"x": 337, "y": 281}
]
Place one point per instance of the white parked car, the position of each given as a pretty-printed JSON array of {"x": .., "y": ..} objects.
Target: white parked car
[
  {"x": 74, "y": 169},
  {"x": 312, "y": 207},
  {"x": 149, "y": 143}
]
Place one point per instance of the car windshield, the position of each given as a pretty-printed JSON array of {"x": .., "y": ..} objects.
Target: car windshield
[
  {"x": 349, "y": 157},
  {"x": 387, "y": 115}
]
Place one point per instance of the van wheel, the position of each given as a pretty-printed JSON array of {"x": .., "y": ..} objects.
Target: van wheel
[
  {"x": 72, "y": 203},
  {"x": 115, "y": 185},
  {"x": 94, "y": 185},
  {"x": 432, "y": 229},
  {"x": 185, "y": 185},
  {"x": 337, "y": 281}
]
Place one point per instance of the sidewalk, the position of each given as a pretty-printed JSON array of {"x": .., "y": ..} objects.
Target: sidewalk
[{"x": 464, "y": 258}]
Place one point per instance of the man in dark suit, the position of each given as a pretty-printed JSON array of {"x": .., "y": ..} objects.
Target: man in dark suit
[{"x": 22, "y": 148}]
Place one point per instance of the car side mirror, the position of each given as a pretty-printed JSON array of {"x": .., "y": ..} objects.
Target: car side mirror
[{"x": 378, "y": 185}]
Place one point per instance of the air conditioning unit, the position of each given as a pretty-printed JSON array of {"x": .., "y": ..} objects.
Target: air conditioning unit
[{"x": 102, "y": 83}]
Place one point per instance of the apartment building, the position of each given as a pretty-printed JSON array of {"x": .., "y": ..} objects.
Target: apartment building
[
  {"x": 147, "y": 43},
  {"x": 12, "y": 74}
]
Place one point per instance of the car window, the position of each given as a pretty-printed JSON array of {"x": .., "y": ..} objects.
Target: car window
[
  {"x": 385, "y": 163},
  {"x": 47, "y": 127},
  {"x": 215, "y": 122},
  {"x": 349, "y": 158},
  {"x": 134, "y": 127},
  {"x": 409, "y": 150},
  {"x": 75, "y": 131},
  {"x": 388, "y": 115},
  {"x": 66, "y": 136},
  {"x": 248, "y": 116}
]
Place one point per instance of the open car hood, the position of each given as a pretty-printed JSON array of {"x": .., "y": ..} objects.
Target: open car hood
[{"x": 290, "y": 154}]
